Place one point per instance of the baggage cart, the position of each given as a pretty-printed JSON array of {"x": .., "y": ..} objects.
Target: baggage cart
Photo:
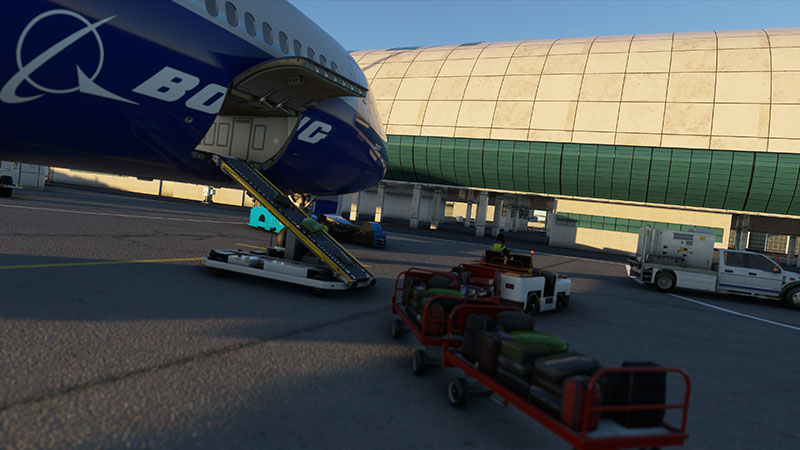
[
  {"x": 430, "y": 331},
  {"x": 607, "y": 435}
]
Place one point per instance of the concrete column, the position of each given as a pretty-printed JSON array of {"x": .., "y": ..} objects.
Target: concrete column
[
  {"x": 550, "y": 220},
  {"x": 513, "y": 220},
  {"x": 354, "y": 200},
  {"x": 379, "y": 198},
  {"x": 743, "y": 236},
  {"x": 469, "y": 210},
  {"x": 497, "y": 225},
  {"x": 480, "y": 214},
  {"x": 790, "y": 257},
  {"x": 415, "y": 201},
  {"x": 437, "y": 209}
]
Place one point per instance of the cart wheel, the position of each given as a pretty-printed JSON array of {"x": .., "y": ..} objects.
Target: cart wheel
[
  {"x": 397, "y": 328},
  {"x": 418, "y": 362},
  {"x": 217, "y": 272},
  {"x": 457, "y": 392},
  {"x": 319, "y": 292}
]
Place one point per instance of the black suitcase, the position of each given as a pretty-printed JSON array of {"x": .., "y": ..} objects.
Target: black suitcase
[
  {"x": 546, "y": 400},
  {"x": 642, "y": 389},
  {"x": 557, "y": 367},
  {"x": 517, "y": 385},
  {"x": 488, "y": 349},
  {"x": 523, "y": 352},
  {"x": 515, "y": 321},
  {"x": 440, "y": 281},
  {"x": 475, "y": 324},
  {"x": 523, "y": 370},
  {"x": 556, "y": 388}
]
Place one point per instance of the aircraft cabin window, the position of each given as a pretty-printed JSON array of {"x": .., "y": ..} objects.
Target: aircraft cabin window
[
  {"x": 323, "y": 60},
  {"x": 250, "y": 24},
  {"x": 298, "y": 48},
  {"x": 334, "y": 66},
  {"x": 212, "y": 6},
  {"x": 267, "y": 30},
  {"x": 230, "y": 13},
  {"x": 310, "y": 53},
  {"x": 284, "y": 42}
]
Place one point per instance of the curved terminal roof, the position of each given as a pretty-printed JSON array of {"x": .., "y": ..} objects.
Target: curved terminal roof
[
  {"x": 728, "y": 90},
  {"x": 709, "y": 120}
]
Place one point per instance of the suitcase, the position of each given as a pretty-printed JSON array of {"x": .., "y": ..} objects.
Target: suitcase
[
  {"x": 408, "y": 289},
  {"x": 557, "y": 367},
  {"x": 488, "y": 349},
  {"x": 546, "y": 400},
  {"x": 573, "y": 400},
  {"x": 554, "y": 344},
  {"x": 516, "y": 384},
  {"x": 521, "y": 369},
  {"x": 515, "y": 321},
  {"x": 642, "y": 389},
  {"x": 523, "y": 352},
  {"x": 435, "y": 325},
  {"x": 430, "y": 292},
  {"x": 440, "y": 281},
  {"x": 311, "y": 226},
  {"x": 475, "y": 324}
]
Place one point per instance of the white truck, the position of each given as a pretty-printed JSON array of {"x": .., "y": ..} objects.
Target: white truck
[{"x": 668, "y": 259}]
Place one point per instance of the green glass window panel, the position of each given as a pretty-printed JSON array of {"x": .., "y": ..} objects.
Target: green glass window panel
[
  {"x": 794, "y": 207},
  {"x": 505, "y": 165},
  {"x": 609, "y": 226},
  {"x": 661, "y": 225},
  {"x": 763, "y": 178},
  {"x": 536, "y": 167},
  {"x": 475, "y": 163},
  {"x": 622, "y": 224},
  {"x": 633, "y": 228},
  {"x": 597, "y": 226},
  {"x": 604, "y": 171},
  {"x": 698, "y": 177},
  {"x": 623, "y": 162},
  {"x": 674, "y": 227},
  {"x": 490, "y": 164},
  {"x": 420, "y": 159},
  {"x": 461, "y": 162},
  {"x": 718, "y": 179},
  {"x": 447, "y": 158},
  {"x": 640, "y": 174},
  {"x": 569, "y": 169},
  {"x": 610, "y": 220},
  {"x": 434, "y": 160},
  {"x": 521, "y": 153},
  {"x": 678, "y": 176},
  {"x": 741, "y": 172},
  {"x": 685, "y": 227},
  {"x": 635, "y": 222},
  {"x": 407, "y": 158},
  {"x": 552, "y": 168},
  {"x": 786, "y": 178},
  {"x": 586, "y": 166},
  {"x": 659, "y": 173},
  {"x": 718, "y": 234},
  {"x": 393, "y": 154}
]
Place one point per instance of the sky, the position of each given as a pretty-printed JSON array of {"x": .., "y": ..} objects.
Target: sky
[{"x": 379, "y": 24}]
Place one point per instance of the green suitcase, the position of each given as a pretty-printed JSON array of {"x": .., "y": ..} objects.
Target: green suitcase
[{"x": 553, "y": 344}]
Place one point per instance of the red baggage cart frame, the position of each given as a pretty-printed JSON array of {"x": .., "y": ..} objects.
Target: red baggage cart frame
[
  {"x": 584, "y": 439},
  {"x": 451, "y": 330}
]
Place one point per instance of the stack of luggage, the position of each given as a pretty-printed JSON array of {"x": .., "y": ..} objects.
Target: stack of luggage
[
  {"x": 451, "y": 286},
  {"x": 541, "y": 369}
]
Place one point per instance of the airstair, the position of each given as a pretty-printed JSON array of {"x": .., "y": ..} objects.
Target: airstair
[{"x": 344, "y": 266}]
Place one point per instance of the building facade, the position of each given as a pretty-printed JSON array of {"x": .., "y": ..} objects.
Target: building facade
[{"x": 674, "y": 130}]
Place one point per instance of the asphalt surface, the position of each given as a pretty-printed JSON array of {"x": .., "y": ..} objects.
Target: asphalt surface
[{"x": 113, "y": 335}]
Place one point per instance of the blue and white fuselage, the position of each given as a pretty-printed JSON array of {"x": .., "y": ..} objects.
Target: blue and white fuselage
[{"x": 133, "y": 88}]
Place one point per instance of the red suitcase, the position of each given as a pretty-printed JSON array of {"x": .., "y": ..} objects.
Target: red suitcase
[{"x": 573, "y": 401}]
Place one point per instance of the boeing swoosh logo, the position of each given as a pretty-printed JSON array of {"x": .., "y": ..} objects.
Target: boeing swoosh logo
[{"x": 86, "y": 84}]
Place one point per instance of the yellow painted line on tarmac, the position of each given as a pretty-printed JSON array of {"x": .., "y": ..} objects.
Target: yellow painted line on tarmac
[
  {"x": 251, "y": 246},
  {"x": 98, "y": 263}
]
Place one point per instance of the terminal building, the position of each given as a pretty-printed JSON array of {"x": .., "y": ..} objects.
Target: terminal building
[
  {"x": 606, "y": 134},
  {"x": 597, "y": 136}
]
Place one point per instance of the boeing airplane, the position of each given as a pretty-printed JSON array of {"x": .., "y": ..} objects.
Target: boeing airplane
[{"x": 146, "y": 88}]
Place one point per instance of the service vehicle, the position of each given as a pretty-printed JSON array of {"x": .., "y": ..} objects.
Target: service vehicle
[
  {"x": 522, "y": 285},
  {"x": 667, "y": 259}
]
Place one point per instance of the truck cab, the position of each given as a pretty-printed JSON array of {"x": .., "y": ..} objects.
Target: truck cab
[{"x": 754, "y": 274}]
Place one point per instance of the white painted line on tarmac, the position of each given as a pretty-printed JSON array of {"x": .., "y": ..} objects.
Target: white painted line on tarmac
[
  {"x": 126, "y": 216},
  {"x": 735, "y": 313},
  {"x": 726, "y": 310}
]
